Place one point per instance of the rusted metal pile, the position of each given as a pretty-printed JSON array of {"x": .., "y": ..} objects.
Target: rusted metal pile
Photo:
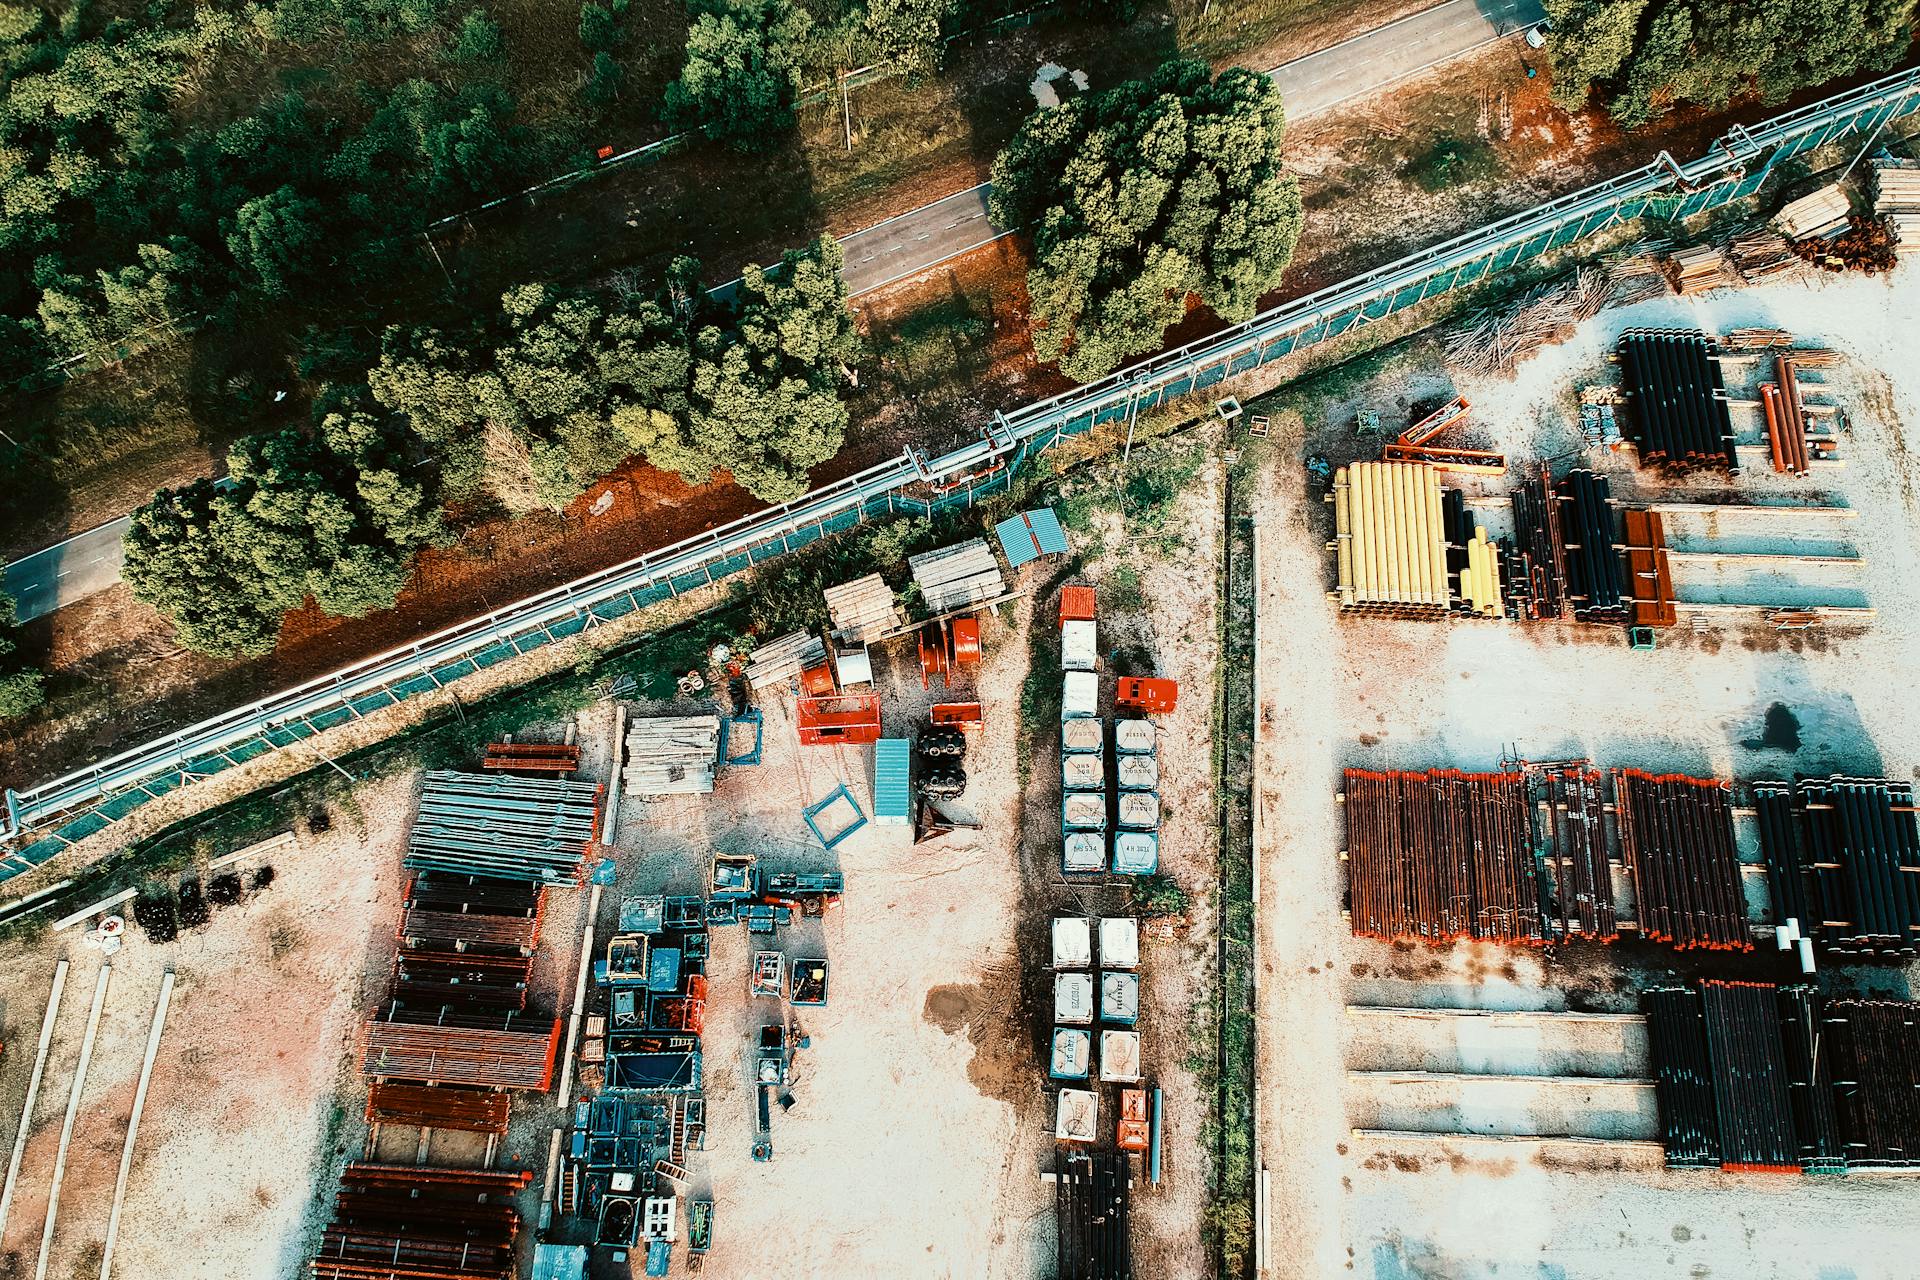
[
  {"x": 1536, "y": 566},
  {"x": 1582, "y": 899},
  {"x": 401, "y": 1222},
  {"x": 1679, "y": 400},
  {"x": 446, "y": 1107},
  {"x": 1791, "y": 441},
  {"x": 1843, "y": 858},
  {"x": 1441, "y": 855},
  {"x": 531, "y": 757},
  {"x": 1595, "y": 583},
  {"x": 1649, "y": 570},
  {"x": 443, "y": 1054},
  {"x": 1676, "y": 837},
  {"x": 1875, "y": 1047}
]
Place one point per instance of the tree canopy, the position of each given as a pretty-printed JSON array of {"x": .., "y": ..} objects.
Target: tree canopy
[
  {"x": 20, "y": 690},
  {"x": 1141, "y": 196},
  {"x": 1648, "y": 56},
  {"x": 742, "y": 72},
  {"x": 333, "y": 515}
]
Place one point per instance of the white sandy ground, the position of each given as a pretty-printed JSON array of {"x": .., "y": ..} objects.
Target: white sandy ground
[{"x": 1406, "y": 694}]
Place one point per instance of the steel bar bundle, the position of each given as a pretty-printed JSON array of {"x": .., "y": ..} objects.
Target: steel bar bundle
[
  {"x": 504, "y": 826},
  {"x": 958, "y": 576},
  {"x": 1672, "y": 379},
  {"x": 1649, "y": 570},
  {"x": 444, "y": 1054},
  {"x": 1577, "y": 854},
  {"x": 1843, "y": 856},
  {"x": 477, "y": 895},
  {"x": 783, "y": 658},
  {"x": 401, "y": 1222},
  {"x": 1390, "y": 547},
  {"x": 1441, "y": 855},
  {"x": 427, "y": 1107},
  {"x": 531, "y": 757},
  {"x": 864, "y": 609},
  {"x": 467, "y": 930},
  {"x": 1090, "y": 1210},
  {"x": 1682, "y": 1077},
  {"x": 1536, "y": 583},
  {"x": 670, "y": 755},
  {"x": 1875, "y": 1050},
  {"x": 1749, "y": 1077},
  {"x": 1809, "y": 1057},
  {"x": 1595, "y": 582},
  {"x": 1676, "y": 836}
]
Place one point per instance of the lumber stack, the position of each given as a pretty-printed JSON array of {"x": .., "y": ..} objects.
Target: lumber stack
[
  {"x": 393, "y": 1221},
  {"x": 957, "y": 577},
  {"x": 1876, "y": 1072},
  {"x": 1758, "y": 339},
  {"x": 1822, "y": 214},
  {"x": 1595, "y": 582},
  {"x": 1673, "y": 383},
  {"x": 863, "y": 610},
  {"x": 1896, "y": 199},
  {"x": 504, "y": 826},
  {"x": 1676, "y": 838},
  {"x": 1843, "y": 858},
  {"x": 1703, "y": 268},
  {"x": 1764, "y": 255},
  {"x": 1390, "y": 547},
  {"x": 782, "y": 659},
  {"x": 1440, "y": 855},
  {"x": 1638, "y": 273},
  {"x": 670, "y": 755},
  {"x": 1537, "y": 564},
  {"x": 1649, "y": 570},
  {"x": 1497, "y": 339},
  {"x": 1582, "y": 874}
]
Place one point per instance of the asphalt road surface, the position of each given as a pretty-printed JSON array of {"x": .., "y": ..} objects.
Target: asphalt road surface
[{"x": 925, "y": 237}]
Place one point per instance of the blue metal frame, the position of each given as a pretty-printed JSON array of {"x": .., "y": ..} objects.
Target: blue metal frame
[{"x": 815, "y": 810}]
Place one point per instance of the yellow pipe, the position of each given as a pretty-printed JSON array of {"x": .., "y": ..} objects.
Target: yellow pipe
[{"x": 1343, "y": 537}]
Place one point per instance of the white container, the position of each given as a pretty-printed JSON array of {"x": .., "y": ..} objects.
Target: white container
[
  {"x": 1072, "y": 943},
  {"x": 1084, "y": 851},
  {"x": 1073, "y": 998},
  {"x": 1120, "y": 1056},
  {"x": 1119, "y": 997},
  {"x": 1077, "y": 1116},
  {"x": 1136, "y": 853},
  {"x": 1133, "y": 735},
  {"x": 1079, "y": 646},
  {"x": 1119, "y": 942},
  {"x": 1138, "y": 771},
  {"x": 1079, "y": 695},
  {"x": 1084, "y": 810},
  {"x": 1140, "y": 810},
  {"x": 1073, "y": 1053},
  {"x": 1083, "y": 735},
  {"x": 1082, "y": 771}
]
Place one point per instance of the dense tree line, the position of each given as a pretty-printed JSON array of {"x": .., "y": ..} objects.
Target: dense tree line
[
  {"x": 20, "y": 690},
  {"x": 1145, "y": 196},
  {"x": 1646, "y": 57}
]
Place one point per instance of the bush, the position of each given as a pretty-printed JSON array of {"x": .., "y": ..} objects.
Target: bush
[
  {"x": 225, "y": 889},
  {"x": 1453, "y": 162},
  {"x": 1159, "y": 895},
  {"x": 192, "y": 906},
  {"x": 153, "y": 911}
]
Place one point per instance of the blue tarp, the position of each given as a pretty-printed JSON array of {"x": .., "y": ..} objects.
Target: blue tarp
[{"x": 1030, "y": 535}]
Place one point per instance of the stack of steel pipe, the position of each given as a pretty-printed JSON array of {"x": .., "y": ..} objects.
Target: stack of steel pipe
[
  {"x": 504, "y": 826},
  {"x": 1749, "y": 1077},
  {"x": 1809, "y": 1057},
  {"x": 1583, "y": 905},
  {"x": 1596, "y": 585},
  {"x": 1090, "y": 1213},
  {"x": 1537, "y": 572},
  {"x": 1682, "y": 1077},
  {"x": 437, "y": 1107},
  {"x": 1676, "y": 836},
  {"x": 1679, "y": 399},
  {"x": 1441, "y": 855},
  {"x": 394, "y": 1221},
  {"x": 1875, "y": 1049},
  {"x": 1856, "y": 841},
  {"x": 1390, "y": 547}
]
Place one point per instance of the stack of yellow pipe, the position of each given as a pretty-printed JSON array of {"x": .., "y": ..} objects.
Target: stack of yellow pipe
[
  {"x": 1389, "y": 540},
  {"x": 1480, "y": 583}
]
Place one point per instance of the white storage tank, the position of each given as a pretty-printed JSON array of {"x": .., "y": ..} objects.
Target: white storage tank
[
  {"x": 1120, "y": 1056},
  {"x": 1079, "y": 695},
  {"x": 1136, "y": 853},
  {"x": 1082, "y": 771},
  {"x": 1072, "y": 1053},
  {"x": 1084, "y": 851},
  {"x": 1072, "y": 943},
  {"x": 1119, "y": 997},
  {"x": 1140, "y": 810},
  {"x": 1139, "y": 770},
  {"x": 1119, "y": 942},
  {"x": 1084, "y": 810},
  {"x": 1073, "y": 998},
  {"x": 1133, "y": 735},
  {"x": 1083, "y": 735},
  {"x": 1077, "y": 1116}
]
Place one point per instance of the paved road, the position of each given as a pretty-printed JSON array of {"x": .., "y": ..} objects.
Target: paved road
[{"x": 925, "y": 237}]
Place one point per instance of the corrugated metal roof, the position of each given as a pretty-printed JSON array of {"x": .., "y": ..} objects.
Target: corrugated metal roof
[
  {"x": 1030, "y": 535},
  {"x": 890, "y": 799}
]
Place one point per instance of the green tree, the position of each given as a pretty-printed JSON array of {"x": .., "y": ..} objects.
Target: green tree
[
  {"x": 908, "y": 32},
  {"x": 478, "y": 40},
  {"x": 742, "y": 72},
  {"x": 1591, "y": 41},
  {"x": 1142, "y": 197},
  {"x": 20, "y": 690},
  {"x": 276, "y": 240}
]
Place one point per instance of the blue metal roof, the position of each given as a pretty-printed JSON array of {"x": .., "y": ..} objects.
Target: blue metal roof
[
  {"x": 1030, "y": 535},
  {"x": 891, "y": 802}
]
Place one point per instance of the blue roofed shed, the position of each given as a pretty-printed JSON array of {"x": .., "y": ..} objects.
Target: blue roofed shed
[
  {"x": 891, "y": 801},
  {"x": 1030, "y": 535}
]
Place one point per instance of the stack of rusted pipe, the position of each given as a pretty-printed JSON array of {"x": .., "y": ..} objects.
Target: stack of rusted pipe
[
  {"x": 1676, "y": 836},
  {"x": 1583, "y": 905}
]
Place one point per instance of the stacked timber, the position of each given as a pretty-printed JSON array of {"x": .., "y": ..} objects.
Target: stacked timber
[
  {"x": 1823, "y": 214},
  {"x": 1577, "y": 861},
  {"x": 504, "y": 826},
  {"x": 1649, "y": 570},
  {"x": 1702, "y": 269},
  {"x": 1595, "y": 583},
  {"x": 1896, "y": 199},
  {"x": 1390, "y": 547},
  {"x": 1764, "y": 255},
  {"x": 1497, "y": 339},
  {"x": 1537, "y": 565},
  {"x": 958, "y": 577},
  {"x": 1676, "y": 837},
  {"x": 1875, "y": 1045},
  {"x": 1440, "y": 855},
  {"x": 1673, "y": 383},
  {"x": 531, "y": 757},
  {"x": 1843, "y": 858},
  {"x": 393, "y": 1221},
  {"x": 1638, "y": 273},
  {"x": 781, "y": 660},
  {"x": 863, "y": 610},
  {"x": 670, "y": 755}
]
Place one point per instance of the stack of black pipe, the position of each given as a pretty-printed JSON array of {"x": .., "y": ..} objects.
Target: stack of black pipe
[
  {"x": 1676, "y": 835},
  {"x": 1577, "y": 853},
  {"x": 1816, "y": 1121},
  {"x": 1090, "y": 1192},
  {"x": 1679, "y": 399},
  {"x": 1749, "y": 1076},
  {"x": 1780, "y": 846},
  {"x": 1682, "y": 1077},
  {"x": 1843, "y": 855},
  {"x": 1596, "y": 581},
  {"x": 1875, "y": 1048},
  {"x": 1533, "y": 577},
  {"x": 1458, "y": 526}
]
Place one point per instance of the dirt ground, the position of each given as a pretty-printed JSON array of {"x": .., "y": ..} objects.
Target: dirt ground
[{"x": 1402, "y": 694}]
